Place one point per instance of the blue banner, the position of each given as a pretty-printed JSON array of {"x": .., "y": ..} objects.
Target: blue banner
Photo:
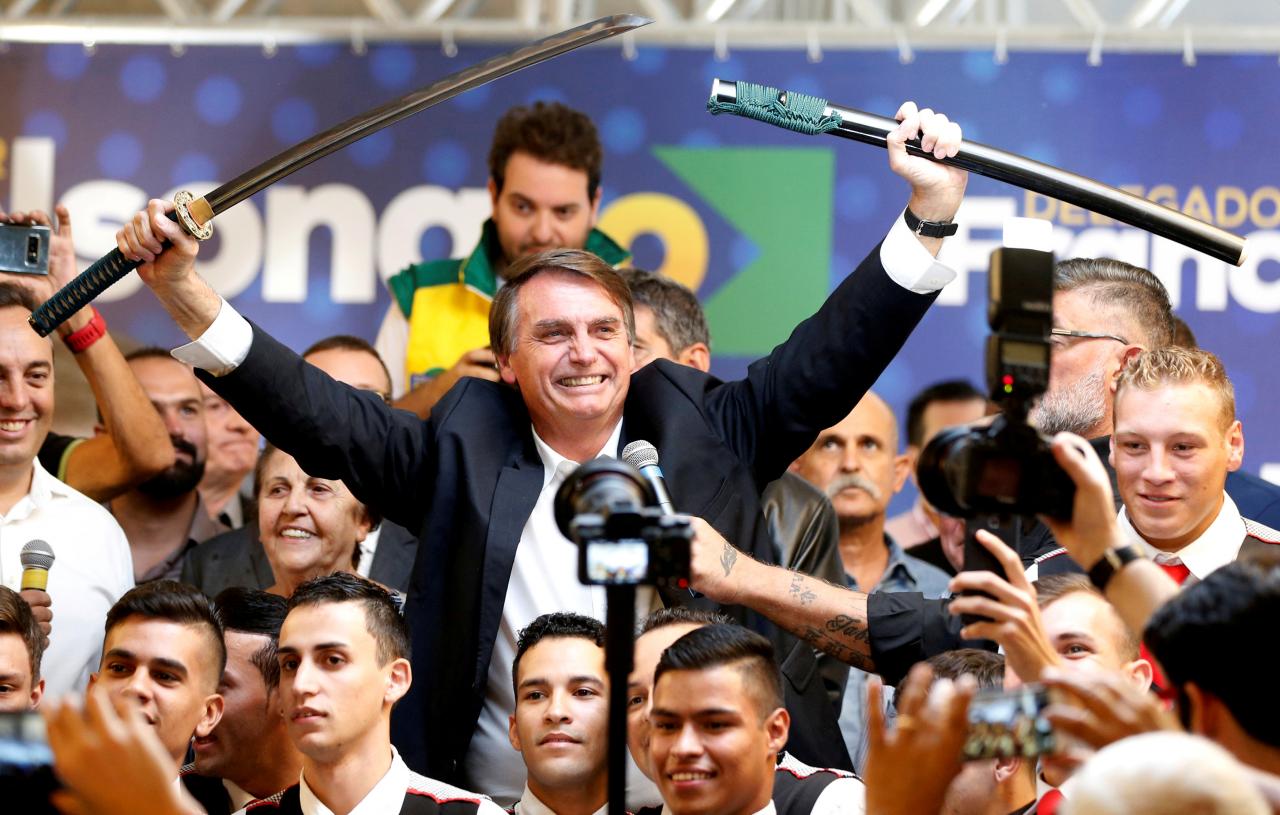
[{"x": 761, "y": 221}]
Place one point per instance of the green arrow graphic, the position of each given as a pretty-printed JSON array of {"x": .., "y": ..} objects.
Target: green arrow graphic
[{"x": 779, "y": 198}]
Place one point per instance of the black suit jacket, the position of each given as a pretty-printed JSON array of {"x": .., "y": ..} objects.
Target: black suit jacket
[
  {"x": 467, "y": 478},
  {"x": 236, "y": 558}
]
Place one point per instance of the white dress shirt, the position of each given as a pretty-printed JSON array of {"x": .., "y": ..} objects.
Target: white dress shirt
[
  {"x": 543, "y": 577},
  {"x": 530, "y": 804},
  {"x": 367, "y": 549},
  {"x": 387, "y": 796},
  {"x": 92, "y": 569},
  {"x": 1218, "y": 546}
]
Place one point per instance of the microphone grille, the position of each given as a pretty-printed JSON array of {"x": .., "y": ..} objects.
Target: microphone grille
[
  {"x": 640, "y": 454},
  {"x": 36, "y": 555}
]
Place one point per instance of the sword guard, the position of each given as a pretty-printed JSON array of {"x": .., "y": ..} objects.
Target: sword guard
[{"x": 182, "y": 205}]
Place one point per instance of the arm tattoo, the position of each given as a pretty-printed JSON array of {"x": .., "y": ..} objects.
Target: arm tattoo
[
  {"x": 833, "y": 646},
  {"x": 800, "y": 591},
  {"x": 728, "y": 557}
]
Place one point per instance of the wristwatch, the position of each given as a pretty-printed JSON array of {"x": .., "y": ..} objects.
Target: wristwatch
[
  {"x": 929, "y": 229},
  {"x": 1113, "y": 560}
]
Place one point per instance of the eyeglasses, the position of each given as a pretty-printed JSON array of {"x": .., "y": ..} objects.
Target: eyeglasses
[{"x": 1085, "y": 335}]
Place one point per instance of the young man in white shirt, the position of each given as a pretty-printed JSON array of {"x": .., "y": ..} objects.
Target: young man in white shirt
[
  {"x": 92, "y": 566},
  {"x": 1176, "y": 438},
  {"x": 343, "y": 665},
  {"x": 717, "y": 725},
  {"x": 560, "y": 725},
  {"x": 798, "y": 789},
  {"x": 164, "y": 652}
]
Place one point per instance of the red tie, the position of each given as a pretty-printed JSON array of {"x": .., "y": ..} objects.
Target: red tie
[
  {"x": 1049, "y": 804},
  {"x": 1178, "y": 571}
]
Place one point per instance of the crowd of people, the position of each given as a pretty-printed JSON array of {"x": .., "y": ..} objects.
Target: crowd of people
[{"x": 332, "y": 582}]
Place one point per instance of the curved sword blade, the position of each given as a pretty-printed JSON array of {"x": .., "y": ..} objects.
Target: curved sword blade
[{"x": 356, "y": 128}]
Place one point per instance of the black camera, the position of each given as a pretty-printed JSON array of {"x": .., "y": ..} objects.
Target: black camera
[
  {"x": 1007, "y": 468},
  {"x": 624, "y": 539},
  {"x": 24, "y": 249},
  {"x": 26, "y": 765}
]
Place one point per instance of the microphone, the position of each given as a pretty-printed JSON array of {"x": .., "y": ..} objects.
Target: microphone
[
  {"x": 644, "y": 457},
  {"x": 37, "y": 559}
]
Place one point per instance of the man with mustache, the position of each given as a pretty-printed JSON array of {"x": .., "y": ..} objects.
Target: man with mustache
[
  {"x": 856, "y": 463},
  {"x": 163, "y": 517},
  {"x": 560, "y": 725}
]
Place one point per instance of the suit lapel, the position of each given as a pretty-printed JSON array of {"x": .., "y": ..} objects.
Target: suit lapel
[{"x": 514, "y": 497}]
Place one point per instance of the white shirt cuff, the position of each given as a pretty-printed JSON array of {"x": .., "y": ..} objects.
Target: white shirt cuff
[
  {"x": 222, "y": 346},
  {"x": 909, "y": 264}
]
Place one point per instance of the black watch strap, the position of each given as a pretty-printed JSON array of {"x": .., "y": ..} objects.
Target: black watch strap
[
  {"x": 929, "y": 229},
  {"x": 1113, "y": 560}
]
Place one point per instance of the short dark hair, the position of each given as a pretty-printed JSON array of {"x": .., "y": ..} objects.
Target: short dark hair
[
  {"x": 347, "y": 342},
  {"x": 713, "y": 646},
  {"x": 173, "y": 602},
  {"x": 951, "y": 390},
  {"x": 16, "y": 618},
  {"x": 381, "y": 615},
  {"x": 986, "y": 667},
  {"x": 504, "y": 311},
  {"x": 677, "y": 314},
  {"x": 1053, "y": 587},
  {"x": 1114, "y": 284},
  {"x": 681, "y": 615},
  {"x": 1199, "y": 635},
  {"x": 556, "y": 624},
  {"x": 250, "y": 611},
  {"x": 14, "y": 295},
  {"x": 552, "y": 133}
]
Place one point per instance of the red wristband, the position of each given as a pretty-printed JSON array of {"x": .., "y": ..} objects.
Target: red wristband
[{"x": 93, "y": 331}]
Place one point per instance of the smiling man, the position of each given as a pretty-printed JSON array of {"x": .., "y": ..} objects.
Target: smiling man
[
  {"x": 164, "y": 652},
  {"x": 248, "y": 755},
  {"x": 1176, "y": 439},
  {"x": 717, "y": 723},
  {"x": 343, "y": 665},
  {"x": 477, "y": 480},
  {"x": 544, "y": 188},
  {"x": 561, "y": 721}
]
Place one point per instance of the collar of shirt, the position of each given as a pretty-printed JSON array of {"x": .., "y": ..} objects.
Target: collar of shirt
[
  {"x": 769, "y": 809},
  {"x": 556, "y": 466},
  {"x": 386, "y": 796},
  {"x": 899, "y": 572},
  {"x": 44, "y": 488},
  {"x": 239, "y": 798},
  {"x": 530, "y": 804},
  {"x": 1217, "y": 547}
]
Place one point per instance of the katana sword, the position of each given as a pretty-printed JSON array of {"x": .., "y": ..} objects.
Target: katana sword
[
  {"x": 195, "y": 214},
  {"x": 812, "y": 115}
]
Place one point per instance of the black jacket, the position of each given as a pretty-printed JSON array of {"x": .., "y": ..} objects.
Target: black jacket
[{"x": 467, "y": 478}]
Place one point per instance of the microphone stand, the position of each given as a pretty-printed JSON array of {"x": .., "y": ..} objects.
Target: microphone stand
[{"x": 619, "y": 659}]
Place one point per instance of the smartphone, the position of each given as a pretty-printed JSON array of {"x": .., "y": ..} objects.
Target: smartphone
[
  {"x": 1006, "y": 724},
  {"x": 976, "y": 556},
  {"x": 24, "y": 249},
  {"x": 26, "y": 765}
]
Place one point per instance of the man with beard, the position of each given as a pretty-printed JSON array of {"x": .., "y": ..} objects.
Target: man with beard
[
  {"x": 1105, "y": 312},
  {"x": 164, "y": 517},
  {"x": 855, "y": 462}
]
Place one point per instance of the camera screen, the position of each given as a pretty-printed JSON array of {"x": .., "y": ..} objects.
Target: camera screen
[
  {"x": 1005, "y": 724},
  {"x": 622, "y": 562},
  {"x": 22, "y": 741}
]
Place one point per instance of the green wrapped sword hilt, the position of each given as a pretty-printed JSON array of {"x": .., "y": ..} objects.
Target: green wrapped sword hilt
[{"x": 795, "y": 111}]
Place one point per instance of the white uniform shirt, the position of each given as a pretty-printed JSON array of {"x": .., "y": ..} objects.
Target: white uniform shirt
[
  {"x": 1215, "y": 548},
  {"x": 92, "y": 569}
]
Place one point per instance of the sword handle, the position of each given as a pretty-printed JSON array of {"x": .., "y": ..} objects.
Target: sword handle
[{"x": 77, "y": 294}]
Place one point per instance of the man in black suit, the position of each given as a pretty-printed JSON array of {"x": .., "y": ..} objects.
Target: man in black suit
[
  {"x": 236, "y": 558},
  {"x": 477, "y": 479}
]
